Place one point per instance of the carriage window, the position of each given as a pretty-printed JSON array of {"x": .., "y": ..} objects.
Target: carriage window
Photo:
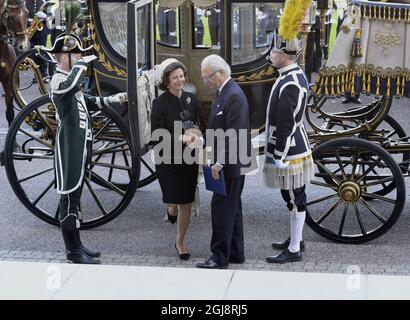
[
  {"x": 113, "y": 17},
  {"x": 250, "y": 43},
  {"x": 167, "y": 26},
  {"x": 264, "y": 26},
  {"x": 207, "y": 26}
]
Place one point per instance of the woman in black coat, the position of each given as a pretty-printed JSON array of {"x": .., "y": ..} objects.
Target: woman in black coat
[{"x": 178, "y": 180}]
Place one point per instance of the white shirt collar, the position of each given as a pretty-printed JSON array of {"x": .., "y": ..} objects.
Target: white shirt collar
[
  {"x": 223, "y": 84},
  {"x": 287, "y": 68}
]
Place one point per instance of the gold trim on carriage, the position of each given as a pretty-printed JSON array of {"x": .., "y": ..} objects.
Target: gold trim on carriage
[{"x": 372, "y": 52}]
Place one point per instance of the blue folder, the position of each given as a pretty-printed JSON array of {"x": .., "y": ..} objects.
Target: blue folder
[{"x": 211, "y": 184}]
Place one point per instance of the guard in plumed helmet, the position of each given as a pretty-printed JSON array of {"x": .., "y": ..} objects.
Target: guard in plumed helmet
[
  {"x": 289, "y": 164},
  {"x": 74, "y": 134}
]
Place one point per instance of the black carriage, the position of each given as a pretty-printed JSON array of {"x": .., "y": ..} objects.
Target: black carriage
[
  {"x": 149, "y": 33},
  {"x": 361, "y": 153}
]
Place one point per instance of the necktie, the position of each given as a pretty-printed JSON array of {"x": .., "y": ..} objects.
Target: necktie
[{"x": 216, "y": 97}]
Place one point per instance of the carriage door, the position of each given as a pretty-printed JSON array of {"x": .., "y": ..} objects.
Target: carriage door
[{"x": 140, "y": 58}]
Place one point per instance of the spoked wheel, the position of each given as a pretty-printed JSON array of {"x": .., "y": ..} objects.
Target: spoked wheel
[
  {"x": 30, "y": 168},
  {"x": 393, "y": 132},
  {"x": 147, "y": 174},
  {"x": 26, "y": 80},
  {"x": 339, "y": 206}
]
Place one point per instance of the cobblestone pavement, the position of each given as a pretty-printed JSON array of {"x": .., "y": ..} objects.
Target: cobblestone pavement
[{"x": 256, "y": 265}]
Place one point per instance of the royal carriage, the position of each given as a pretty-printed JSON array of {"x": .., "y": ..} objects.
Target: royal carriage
[
  {"x": 361, "y": 153},
  {"x": 121, "y": 161}
]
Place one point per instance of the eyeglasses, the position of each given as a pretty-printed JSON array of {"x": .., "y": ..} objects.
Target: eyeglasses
[{"x": 207, "y": 78}]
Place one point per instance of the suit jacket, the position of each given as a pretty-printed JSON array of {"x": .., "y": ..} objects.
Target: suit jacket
[
  {"x": 230, "y": 110},
  {"x": 166, "y": 111}
]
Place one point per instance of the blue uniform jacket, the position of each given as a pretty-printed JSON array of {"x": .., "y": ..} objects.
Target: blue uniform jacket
[{"x": 286, "y": 137}]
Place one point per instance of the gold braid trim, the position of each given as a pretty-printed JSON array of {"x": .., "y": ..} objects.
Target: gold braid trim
[
  {"x": 385, "y": 13},
  {"x": 261, "y": 75},
  {"x": 101, "y": 55},
  {"x": 371, "y": 79}
]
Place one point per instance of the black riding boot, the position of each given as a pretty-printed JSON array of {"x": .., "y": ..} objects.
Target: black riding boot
[
  {"x": 91, "y": 253},
  {"x": 71, "y": 236}
]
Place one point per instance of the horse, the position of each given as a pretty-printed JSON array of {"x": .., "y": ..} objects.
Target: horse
[{"x": 13, "y": 26}]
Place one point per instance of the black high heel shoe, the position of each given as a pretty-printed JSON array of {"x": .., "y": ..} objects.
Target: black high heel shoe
[
  {"x": 172, "y": 218},
  {"x": 182, "y": 256}
]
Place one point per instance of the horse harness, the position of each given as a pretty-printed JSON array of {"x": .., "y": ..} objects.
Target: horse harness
[{"x": 9, "y": 35}]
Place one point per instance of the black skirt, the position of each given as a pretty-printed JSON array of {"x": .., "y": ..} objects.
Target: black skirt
[{"x": 178, "y": 182}]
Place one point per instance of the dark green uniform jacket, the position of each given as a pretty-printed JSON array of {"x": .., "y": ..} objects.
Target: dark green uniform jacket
[{"x": 74, "y": 126}]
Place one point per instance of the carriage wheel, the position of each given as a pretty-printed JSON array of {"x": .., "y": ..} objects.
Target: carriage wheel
[
  {"x": 148, "y": 174},
  {"x": 340, "y": 209},
  {"x": 26, "y": 80},
  {"x": 30, "y": 169},
  {"x": 395, "y": 133}
]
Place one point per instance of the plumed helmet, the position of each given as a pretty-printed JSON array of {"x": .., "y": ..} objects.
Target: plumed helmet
[
  {"x": 291, "y": 47},
  {"x": 69, "y": 42},
  {"x": 293, "y": 14}
]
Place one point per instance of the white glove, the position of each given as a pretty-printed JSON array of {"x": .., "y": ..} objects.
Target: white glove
[
  {"x": 41, "y": 15},
  {"x": 280, "y": 164},
  {"x": 118, "y": 98},
  {"x": 88, "y": 59}
]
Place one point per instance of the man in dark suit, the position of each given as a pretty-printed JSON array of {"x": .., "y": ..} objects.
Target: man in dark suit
[{"x": 229, "y": 114}]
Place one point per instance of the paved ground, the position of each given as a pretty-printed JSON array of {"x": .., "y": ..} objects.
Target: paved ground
[{"x": 139, "y": 236}]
